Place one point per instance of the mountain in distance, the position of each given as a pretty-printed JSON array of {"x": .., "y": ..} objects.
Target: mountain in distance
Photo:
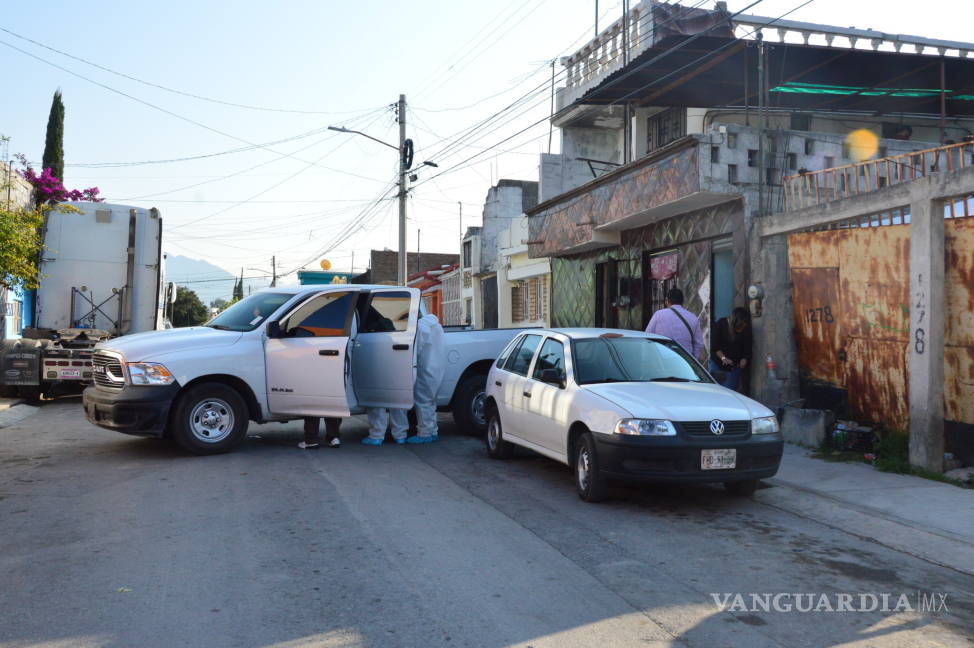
[{"x": 207, "y": 280}]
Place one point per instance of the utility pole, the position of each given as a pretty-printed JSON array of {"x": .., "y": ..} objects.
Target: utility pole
[
  {"x": 761, "y": 124},
  {"x": 402, "y": 190},
  {"x": 419, "y": 234},
  {"x": 273, "y": 271}
]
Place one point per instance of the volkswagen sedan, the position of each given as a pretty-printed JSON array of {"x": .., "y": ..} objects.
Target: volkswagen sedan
[{"x": 626, "y": 405}]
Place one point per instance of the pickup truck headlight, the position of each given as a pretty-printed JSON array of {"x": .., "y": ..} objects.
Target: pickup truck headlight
[
  {"x": 766, "y": 425},
  {"x": 645, "y": 427},
  {"x": 149, "y": 373}
]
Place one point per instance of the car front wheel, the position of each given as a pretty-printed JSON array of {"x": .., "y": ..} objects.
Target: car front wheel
[
  {"x": 588, "y": 477},
  {"x": 210, "y": 418}
]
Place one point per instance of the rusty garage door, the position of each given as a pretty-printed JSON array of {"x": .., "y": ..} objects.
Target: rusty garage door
[
  {"x": 959, "y": 334},
  {"x": 850, "y": 293}
]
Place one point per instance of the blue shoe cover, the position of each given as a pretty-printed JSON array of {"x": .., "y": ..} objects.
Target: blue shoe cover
[
  {"x": 372, "y": 442},
  {"x": 400, "y": 441},
  {"x": 419, "y": 439}
]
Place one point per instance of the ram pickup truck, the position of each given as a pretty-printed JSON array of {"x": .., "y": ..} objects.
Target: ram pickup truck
[{"x": 281, "y": 354}]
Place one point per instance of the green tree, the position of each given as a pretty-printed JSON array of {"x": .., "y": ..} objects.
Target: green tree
[
  {"x": 54, "y": 143},
  {"x": 20, "y": 244},
  {"x": 219, "y": 303},
  {"x": 238, "y": 288},
  {"x": 188, "y": 310}
]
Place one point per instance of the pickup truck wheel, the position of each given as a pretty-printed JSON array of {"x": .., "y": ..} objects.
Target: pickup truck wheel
[
  {"x": 209, "y": 418},
  {"x": 588, "y": 478},
  {"x": 469, "y": 408},
  {"x": 497, "y": 447}
]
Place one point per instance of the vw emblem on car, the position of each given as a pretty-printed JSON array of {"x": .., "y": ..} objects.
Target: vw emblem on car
[{"x": 717, "y": 427}]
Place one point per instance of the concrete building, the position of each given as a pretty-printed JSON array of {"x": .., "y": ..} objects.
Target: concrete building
[
  {"x": 524, "y": 284},
  {"x": 668, "y": 166},
  {"x": 430, "y": 283},
  {"x": 485, "y": 295},
  {"x": 383, "y": 265},
  {"x": 16, "y": 304},
  {"x": 451, "y": 283}
]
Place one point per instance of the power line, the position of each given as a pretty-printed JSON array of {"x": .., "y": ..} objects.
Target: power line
[
  {"x": 163, "y": 110},
  {"x": 174, "y": 91}
]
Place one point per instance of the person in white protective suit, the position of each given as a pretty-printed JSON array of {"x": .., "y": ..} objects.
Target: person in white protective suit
[{"x": 430, "y": 366}]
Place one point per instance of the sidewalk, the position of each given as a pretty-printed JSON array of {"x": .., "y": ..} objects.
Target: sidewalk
[
  {"x": 928, "y": 519},
  {"x": 13, "y": 410}
]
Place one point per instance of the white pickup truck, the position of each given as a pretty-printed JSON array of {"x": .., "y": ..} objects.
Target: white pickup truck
[{"x": 282, "y": 354}]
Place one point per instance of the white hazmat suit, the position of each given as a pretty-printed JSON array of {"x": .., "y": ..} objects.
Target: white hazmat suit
[{"x": 430, "y": 367}]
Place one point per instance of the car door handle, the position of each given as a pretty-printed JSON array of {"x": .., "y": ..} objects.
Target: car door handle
[
  {"x": 498, "y": 383},
  {"x": 527, "y": 394},
  {"x": 328, "y": 352},
  {"x": 400, "y": 347}
]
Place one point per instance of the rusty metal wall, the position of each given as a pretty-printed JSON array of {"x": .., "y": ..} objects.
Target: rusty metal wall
[
  {"x": 959, "y": 312},
  {"x": 850, "y": 290}
]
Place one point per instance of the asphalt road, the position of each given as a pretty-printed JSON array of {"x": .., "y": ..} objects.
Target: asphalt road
[{"x": 107, "y": 540}]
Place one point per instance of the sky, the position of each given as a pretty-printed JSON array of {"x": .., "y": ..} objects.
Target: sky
[{"x": 252, "y": 73}]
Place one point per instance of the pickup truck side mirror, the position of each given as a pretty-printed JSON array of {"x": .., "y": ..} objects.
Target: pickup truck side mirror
[
  {"x": 553, "y": 377},
  {"x": 274, "y": 329}
]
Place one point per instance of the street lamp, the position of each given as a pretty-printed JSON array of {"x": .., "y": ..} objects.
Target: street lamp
[{"x": 405, "y": 150}]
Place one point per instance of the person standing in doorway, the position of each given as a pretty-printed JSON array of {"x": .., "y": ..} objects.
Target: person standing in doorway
[
  {"x": 732, "y": 349},
  {"x": 678, "y": 324}
]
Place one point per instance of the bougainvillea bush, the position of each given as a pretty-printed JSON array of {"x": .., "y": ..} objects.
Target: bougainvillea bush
[{"x": 49, "y": 190}]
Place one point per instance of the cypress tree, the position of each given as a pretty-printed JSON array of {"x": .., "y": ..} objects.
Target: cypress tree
[{"x": 54, "y": 144}]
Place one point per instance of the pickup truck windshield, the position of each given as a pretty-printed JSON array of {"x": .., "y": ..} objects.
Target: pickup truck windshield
[
  {"x": 249, "y": 313},
  {"x": 633, "y": 359}
]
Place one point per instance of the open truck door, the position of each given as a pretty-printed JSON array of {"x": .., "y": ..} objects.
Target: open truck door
[
  {"x": 383, "y": 361},
  {"x": 307, "y": 355}
]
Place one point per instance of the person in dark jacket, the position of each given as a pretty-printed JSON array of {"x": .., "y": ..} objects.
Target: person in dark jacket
[{"x": 731, "y": 349}]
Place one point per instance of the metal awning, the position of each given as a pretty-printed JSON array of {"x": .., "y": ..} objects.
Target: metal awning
[{"x": 721, "y": 72}]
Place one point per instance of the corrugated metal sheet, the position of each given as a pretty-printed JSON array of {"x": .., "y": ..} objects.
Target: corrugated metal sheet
[
  {"x": 850, "y": 294},
  {"x": 959, "y": 334},
  {"x": 817, "y": 315}
]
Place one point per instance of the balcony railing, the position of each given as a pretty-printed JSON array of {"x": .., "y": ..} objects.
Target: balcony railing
[
  {"x": 817, "y": 187},
  {"x": 604, "y": 53}
]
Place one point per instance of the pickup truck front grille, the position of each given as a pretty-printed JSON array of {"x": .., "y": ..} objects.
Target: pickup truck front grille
[{"x": 108, "y": 371}]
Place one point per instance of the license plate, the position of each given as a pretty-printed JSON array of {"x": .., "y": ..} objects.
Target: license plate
[
  {"x": 718, "y": 459},
  {"x": 70, "y": 373}
]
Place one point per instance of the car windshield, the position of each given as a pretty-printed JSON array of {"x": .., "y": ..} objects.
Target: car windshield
[
  {"x": 250, "y": 312},
  {"x": 633, "y": 359}
]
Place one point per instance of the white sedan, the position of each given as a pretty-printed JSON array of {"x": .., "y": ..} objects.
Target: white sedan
[{"x": 616, "y": 404}]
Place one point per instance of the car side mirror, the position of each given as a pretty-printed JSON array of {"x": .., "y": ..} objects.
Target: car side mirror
[
  {"x": 553, "y": 377},
  {"x": 274, "y": 329}
]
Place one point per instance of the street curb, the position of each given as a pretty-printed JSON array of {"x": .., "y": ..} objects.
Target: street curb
[
  {"x": 11, "y": 403},
  {"x": 931, "y": 545},
  {"x": 13, "y": 415}
]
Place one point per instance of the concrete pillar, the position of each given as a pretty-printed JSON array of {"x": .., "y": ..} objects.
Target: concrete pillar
[
  {"x": 504, "y": 306},
  {"x": 926, "y": 345},
  {"x": 773, "y": 329}
]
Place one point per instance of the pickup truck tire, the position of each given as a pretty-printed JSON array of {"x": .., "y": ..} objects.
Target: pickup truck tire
[
  {"x": 497, "y": 447},
  {"x": 469, "y": 412},
  {"x": 209, "y": 418},
  {"x": 589, "y": 481}
]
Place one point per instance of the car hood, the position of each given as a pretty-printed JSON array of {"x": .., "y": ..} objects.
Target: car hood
[
  {"x": 680, "y": 401},
  {"x": 151, "y": 345}
]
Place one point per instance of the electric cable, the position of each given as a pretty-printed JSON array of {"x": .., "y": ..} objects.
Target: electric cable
[{"x": 174, "y": 91}]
